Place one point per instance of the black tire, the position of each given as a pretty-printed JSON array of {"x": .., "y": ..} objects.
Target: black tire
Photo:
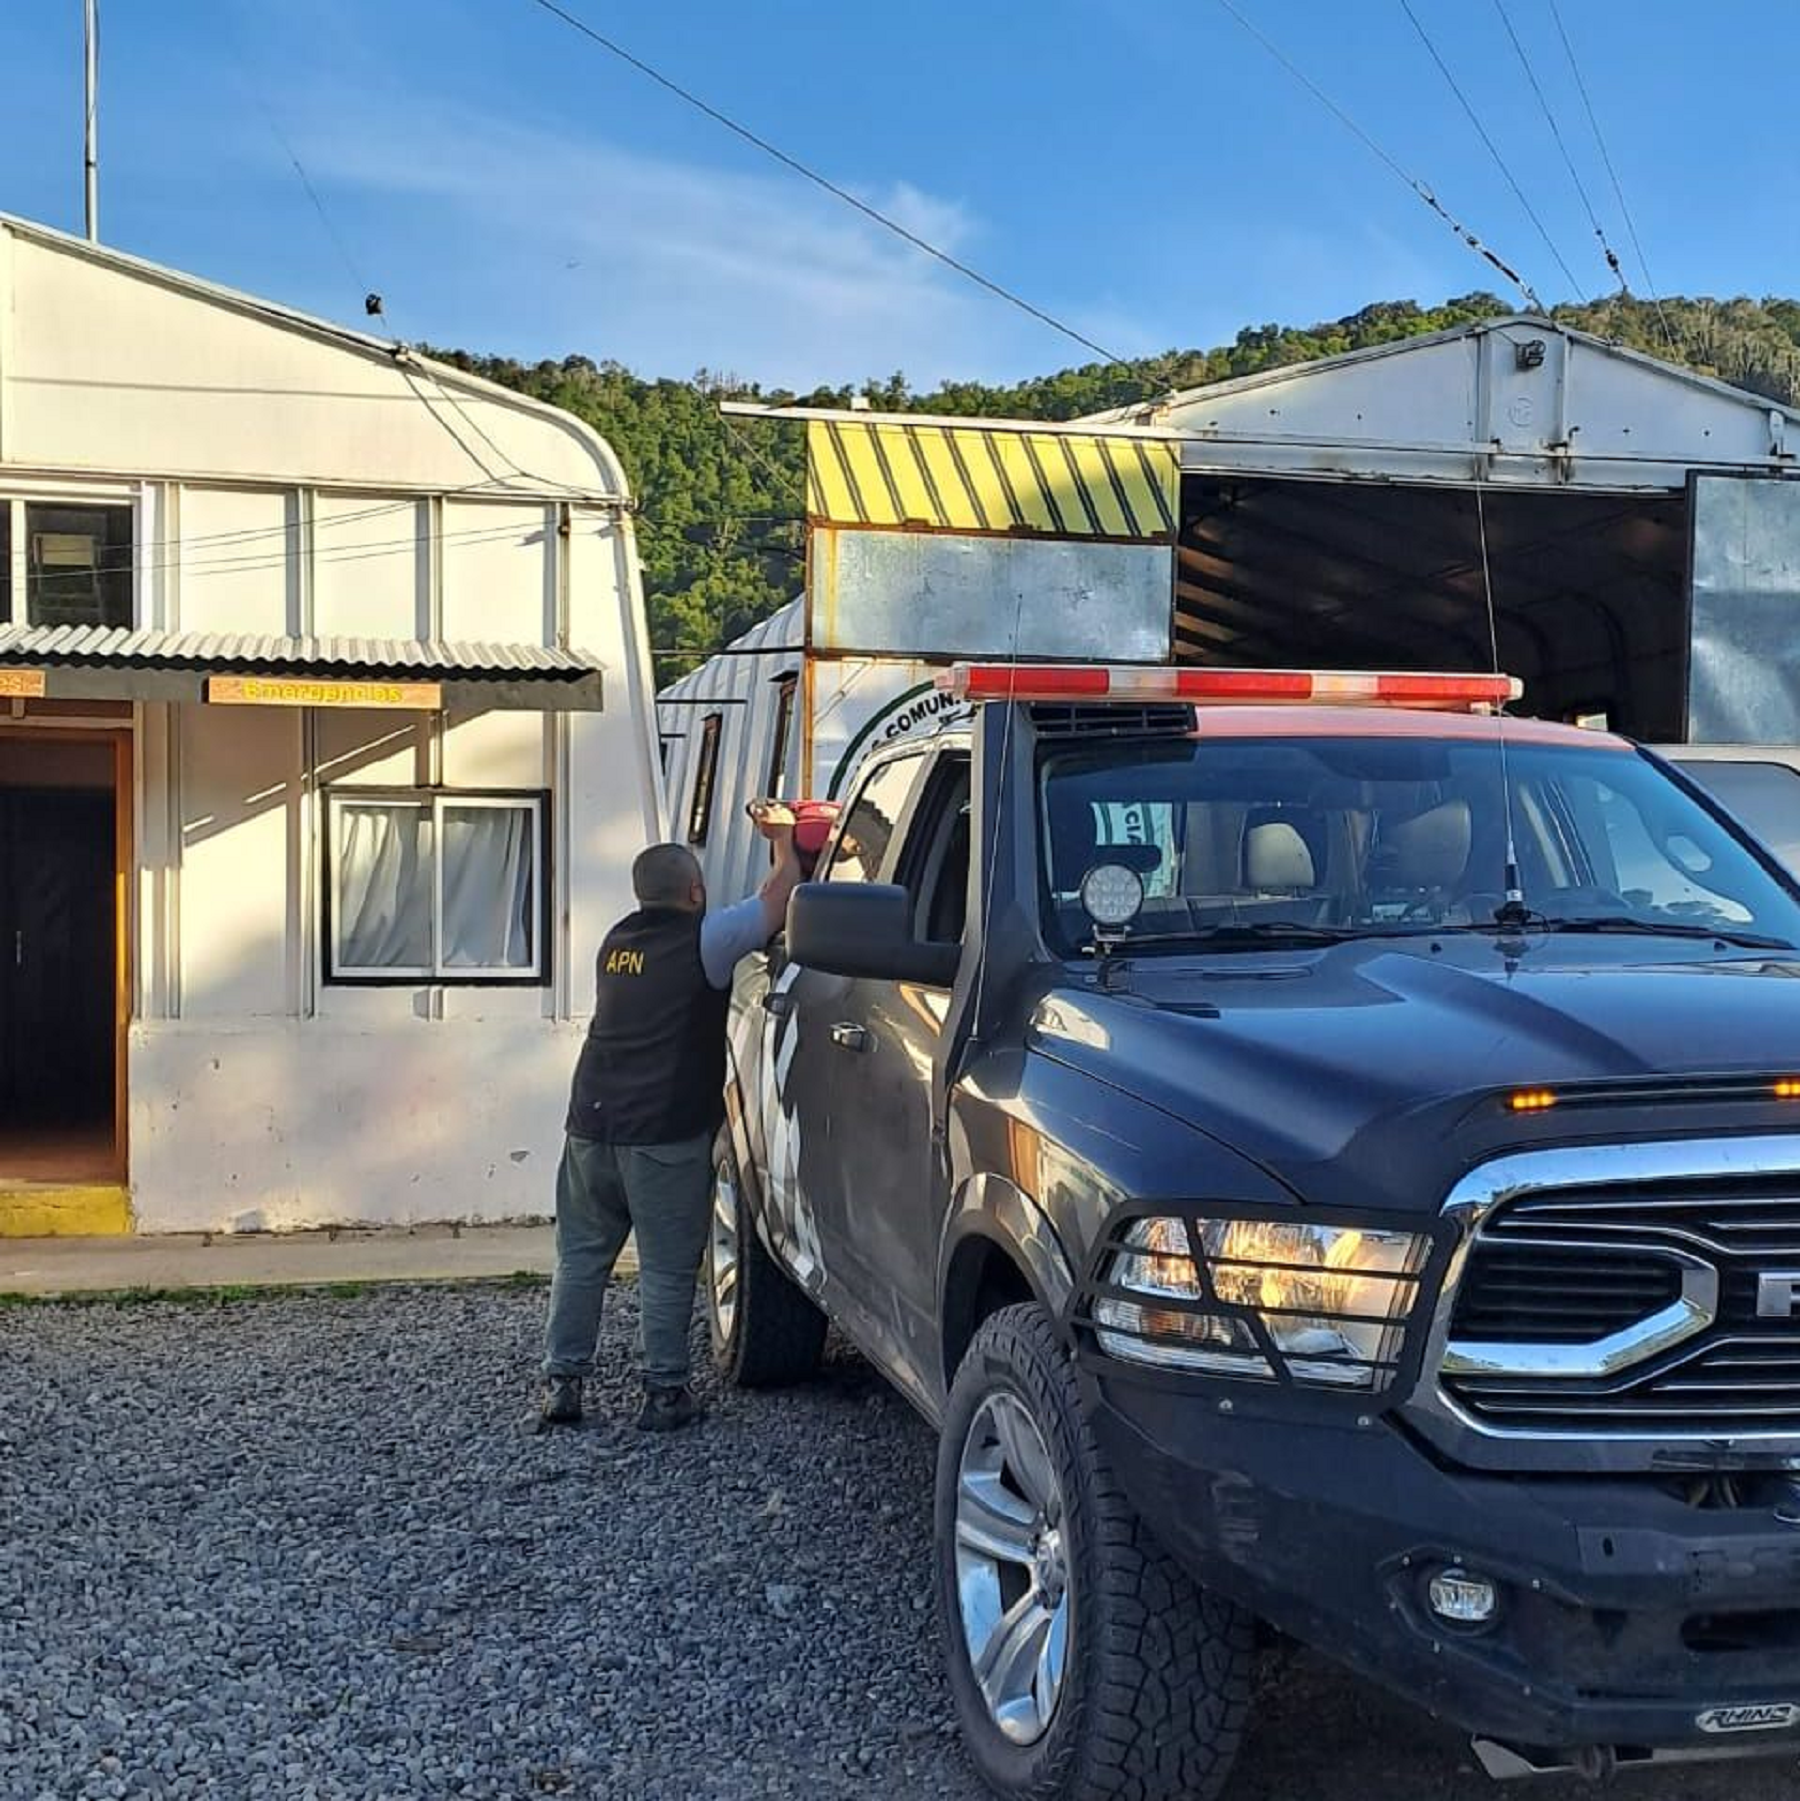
[
  {"x": 1157, "y": 1672},
  {"x": 775, "y": 1334}
]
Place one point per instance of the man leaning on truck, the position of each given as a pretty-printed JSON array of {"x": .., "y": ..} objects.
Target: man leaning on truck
[{"x": 646, "y": 1104}]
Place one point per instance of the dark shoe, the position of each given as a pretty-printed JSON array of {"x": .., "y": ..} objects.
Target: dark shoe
[
  {"x": 668, "y": 1410},
  {"x": 561, "y": 1405}
]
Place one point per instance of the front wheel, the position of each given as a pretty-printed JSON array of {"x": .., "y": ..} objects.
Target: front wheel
[
  {"x": 1083, "y": 1662},
  {"x": 765, "y": 1332}
]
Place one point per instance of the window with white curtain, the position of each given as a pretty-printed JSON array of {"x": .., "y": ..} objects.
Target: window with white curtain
[{"x": 439, "y": 887}]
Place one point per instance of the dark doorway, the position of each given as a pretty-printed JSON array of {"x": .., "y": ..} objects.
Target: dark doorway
[
  {"x": 1589, "y": 590},
  {"x": 58, "y": 972}
]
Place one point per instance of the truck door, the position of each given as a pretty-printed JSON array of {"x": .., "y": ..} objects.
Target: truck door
[
  {"x": 886, "y": 1186},
  {"x": 804, "y": 1130}
]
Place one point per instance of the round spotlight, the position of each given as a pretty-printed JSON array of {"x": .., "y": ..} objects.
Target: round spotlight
[
  {"x": 1461, "y": 1598},
  {"x": 1112, "y": 895}
]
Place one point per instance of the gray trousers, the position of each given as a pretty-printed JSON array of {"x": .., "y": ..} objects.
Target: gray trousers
[{"x": 663, "y": 1192}]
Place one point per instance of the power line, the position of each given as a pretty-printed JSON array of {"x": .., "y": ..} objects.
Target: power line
[
  {"x": 1493, "y": 149},
  {"x": 1613, "y": 176},
  {"x": 886, "y": 221},
  {"x": 1412, "y": 181},
  {"x": 1606, "y": 249}
]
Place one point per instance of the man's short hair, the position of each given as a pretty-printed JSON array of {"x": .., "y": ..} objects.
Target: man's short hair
[{"x": 665, "y": 875}]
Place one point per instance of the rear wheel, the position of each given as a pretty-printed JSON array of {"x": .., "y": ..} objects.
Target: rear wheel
[
  {"x": 765, "y": 1332},
  {"x": 1083, "y": 1662}
]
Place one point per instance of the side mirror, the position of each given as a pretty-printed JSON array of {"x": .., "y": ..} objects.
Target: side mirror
[{"x": 864, "y": 929}]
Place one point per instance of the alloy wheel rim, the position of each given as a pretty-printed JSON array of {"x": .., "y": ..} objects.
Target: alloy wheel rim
[
  {"x": 1012, "y": 1573},
  {"x": 723, "y": 1259}
]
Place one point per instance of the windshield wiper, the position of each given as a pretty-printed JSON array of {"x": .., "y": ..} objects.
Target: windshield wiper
[
  {"x": 1623, "y": 923},
  {"x": 1264, "y": 931}
]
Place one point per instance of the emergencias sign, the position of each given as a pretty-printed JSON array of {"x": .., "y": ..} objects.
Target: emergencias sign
[{"x": 298, "y": 691}]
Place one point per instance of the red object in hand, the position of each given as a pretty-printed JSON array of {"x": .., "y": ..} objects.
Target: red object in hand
[{"x": 813, "y": 820}]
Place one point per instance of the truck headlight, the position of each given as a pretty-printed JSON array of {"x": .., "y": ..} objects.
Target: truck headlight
[{"x": 1329, "y": 1304}]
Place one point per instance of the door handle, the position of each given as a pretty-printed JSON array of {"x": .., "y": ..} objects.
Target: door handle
[{"x": 849, "y": 1036}]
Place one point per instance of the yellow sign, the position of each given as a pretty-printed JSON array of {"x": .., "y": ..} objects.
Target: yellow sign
[
  {"x": 298, "y": 691},
  {"x": 26, "y": 683},
  {"x": 1060, "y": 484}
]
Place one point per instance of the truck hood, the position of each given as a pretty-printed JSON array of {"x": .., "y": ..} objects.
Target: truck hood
[{"x": 1347, "y": 1072}]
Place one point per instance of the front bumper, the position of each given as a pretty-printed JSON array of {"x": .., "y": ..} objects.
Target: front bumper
[{"x": 1627, "y": 1616}]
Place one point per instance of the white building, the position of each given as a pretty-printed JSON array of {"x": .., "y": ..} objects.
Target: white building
[{"x": 326, "y": 739}]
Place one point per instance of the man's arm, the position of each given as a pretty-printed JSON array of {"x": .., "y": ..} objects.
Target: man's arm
[
  {"x": 732, "y": 933},
  {"x": 776, "y": 823}
]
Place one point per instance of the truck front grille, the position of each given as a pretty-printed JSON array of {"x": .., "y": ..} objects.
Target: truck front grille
[
  {"x": 1558, "y": 1269},
  {"x": 1547, "y": 1293}
]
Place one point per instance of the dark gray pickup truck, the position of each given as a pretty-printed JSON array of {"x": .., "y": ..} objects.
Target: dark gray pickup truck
[{"x": 1332, "y": 1166}]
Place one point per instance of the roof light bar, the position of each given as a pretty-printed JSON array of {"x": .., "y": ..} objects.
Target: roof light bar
[{"x": 1226, "y": 687}]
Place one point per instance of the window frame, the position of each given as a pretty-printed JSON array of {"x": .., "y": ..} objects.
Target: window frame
[
  {"x": 787, "y": 700},
  {"x": 434, "y": 802},
  {"x": 706, "y": 773},
  {"x": 912, "y": 760},
  {"x": 946, "y": 789},
  {"x": 15, "y": 538},
  {"x": 18, "y": 578}
]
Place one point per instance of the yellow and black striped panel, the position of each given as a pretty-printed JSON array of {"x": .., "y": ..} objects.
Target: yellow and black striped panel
[{"x": 972, "y": 479}]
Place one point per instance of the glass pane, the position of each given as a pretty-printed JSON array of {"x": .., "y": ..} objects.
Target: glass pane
[
  {"x": 1384, "y": 835},
  {"x": 1764, "y": 798},
  {"x": 382, "y": 903},
  {"x": 700, "y": 813},
  {"x": 863, "y": 842},
  {"x": 778, "y": 748},
  {"x": 78, "y": 565},
  {"x": 490, "y": 886}
]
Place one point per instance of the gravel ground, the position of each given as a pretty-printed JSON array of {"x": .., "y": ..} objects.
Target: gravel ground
[{"x": 306, "y": 1547}]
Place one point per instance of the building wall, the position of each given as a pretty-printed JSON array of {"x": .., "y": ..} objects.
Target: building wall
[
  {"x": 264, "y": 1097},
  {"x": 287, "y": 479}
]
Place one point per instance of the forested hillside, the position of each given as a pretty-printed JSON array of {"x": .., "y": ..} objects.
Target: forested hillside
[{"x": 721, "y": 498}]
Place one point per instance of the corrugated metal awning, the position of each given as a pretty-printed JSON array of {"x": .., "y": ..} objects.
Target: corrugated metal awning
[{"x": 96, "y": 662}]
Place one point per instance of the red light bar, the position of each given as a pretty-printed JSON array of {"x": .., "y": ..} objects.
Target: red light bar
[{"x": 1225, "y": 687}]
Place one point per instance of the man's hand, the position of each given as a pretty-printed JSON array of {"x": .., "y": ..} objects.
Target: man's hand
[{"x": 774, "y": 819}]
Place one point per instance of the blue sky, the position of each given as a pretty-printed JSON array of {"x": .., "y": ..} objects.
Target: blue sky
[{"x": 1140, "y": 168}]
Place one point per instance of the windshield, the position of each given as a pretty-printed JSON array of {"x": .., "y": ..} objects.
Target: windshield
[{"x": 1253, "y": 838}]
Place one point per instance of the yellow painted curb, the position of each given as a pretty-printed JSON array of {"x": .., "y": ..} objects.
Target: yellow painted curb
[{"x": 64, "y": 1210}]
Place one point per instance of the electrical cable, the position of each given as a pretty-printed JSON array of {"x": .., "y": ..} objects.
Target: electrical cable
[
  {"x": 1543, "y": 100},
  {"x": 1493, "y": 149},
  {"x": 1513, "y": 911},
  {"x": 1419, "y": 187},
  {"x": 793, "y": 163},
  {"x": 1613, "y": 176}
]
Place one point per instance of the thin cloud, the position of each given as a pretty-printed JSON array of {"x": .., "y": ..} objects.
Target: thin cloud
[{"x": 562, "y": 240}]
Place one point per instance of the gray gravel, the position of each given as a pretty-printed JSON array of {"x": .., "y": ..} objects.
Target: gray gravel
[{"x": 306, "y": 1547}]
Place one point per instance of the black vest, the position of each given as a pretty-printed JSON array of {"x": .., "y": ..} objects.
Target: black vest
[{"x": 653, "y": 1068}]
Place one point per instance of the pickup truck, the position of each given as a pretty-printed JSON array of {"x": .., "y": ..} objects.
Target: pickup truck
[{"x": 1323, "y": 1155}]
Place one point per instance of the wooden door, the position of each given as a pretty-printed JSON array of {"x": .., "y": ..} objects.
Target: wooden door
[{"x": 57, "y": 956}]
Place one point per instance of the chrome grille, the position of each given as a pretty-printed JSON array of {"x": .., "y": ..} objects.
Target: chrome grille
[
  {"x": 1549, "y": 1293},
  {"x": 1571, "y": 1266}
]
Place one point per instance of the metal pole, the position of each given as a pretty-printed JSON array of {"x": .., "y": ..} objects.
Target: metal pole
[{"x": 93, "y": 149}]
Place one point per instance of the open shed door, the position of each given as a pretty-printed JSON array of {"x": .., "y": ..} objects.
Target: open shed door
[{"x": 1744, "y": 620}]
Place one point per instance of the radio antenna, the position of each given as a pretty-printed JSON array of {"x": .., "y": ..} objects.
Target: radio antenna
[{"x": 1513, "y": 912}]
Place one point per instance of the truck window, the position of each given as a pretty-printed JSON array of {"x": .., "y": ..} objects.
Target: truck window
[
  {"x": 1392, "y": 834},
  {"x": 869, "y": 824},
  {"x": 934, "y": 867},
  {"x": 1763, "y": 797}
]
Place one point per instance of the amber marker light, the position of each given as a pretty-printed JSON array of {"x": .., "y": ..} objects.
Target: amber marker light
[
  {"x": 1538, "y": 1100},
  {"x": 1788, "y": 1089}
]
